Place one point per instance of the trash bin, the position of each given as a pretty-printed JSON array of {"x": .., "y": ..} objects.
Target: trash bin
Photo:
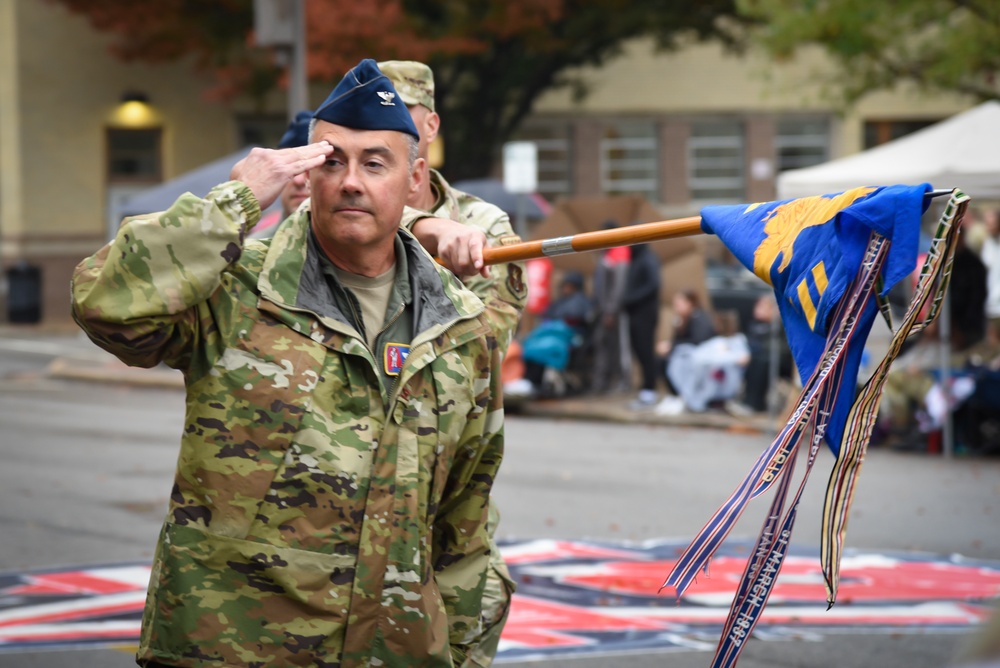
[{"x": 24, "y": 293}]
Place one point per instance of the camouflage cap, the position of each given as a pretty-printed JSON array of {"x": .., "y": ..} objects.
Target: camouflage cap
[{"x": 412, "y": 80}]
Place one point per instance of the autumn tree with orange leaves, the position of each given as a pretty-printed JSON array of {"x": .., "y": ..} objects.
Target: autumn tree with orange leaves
[{"x": 491, "y": 58}]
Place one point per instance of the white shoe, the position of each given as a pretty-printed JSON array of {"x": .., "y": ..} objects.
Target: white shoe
[
  {"x": 645, "y": 401},
  {"x": 738, "y": 409},
  {"x": 670, "y": 405},
  {"x": 519, "y": 388}
]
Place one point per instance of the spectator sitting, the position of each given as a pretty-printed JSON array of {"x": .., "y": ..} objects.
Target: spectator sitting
[
  {"x": 692, "y": 325},
  {"x": 565, "y": 325},
  {"x": 706, "y": 373},
  {"x": 572, "y": 306}
]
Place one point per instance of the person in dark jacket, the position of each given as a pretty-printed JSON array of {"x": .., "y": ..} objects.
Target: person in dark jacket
[
  {"x": 692, "y": 324},
  {"x": 967, "y": 293},
  {"x": 766, "y": 339},
  {"x": 642, "y": 303}
]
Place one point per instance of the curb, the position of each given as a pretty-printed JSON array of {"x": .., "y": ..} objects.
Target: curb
[{"x": 602, "y": 409}]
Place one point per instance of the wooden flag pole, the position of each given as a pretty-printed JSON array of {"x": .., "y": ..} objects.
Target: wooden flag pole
[
  {"x": 601, "y": 239},
  {"x": 591, "y": 241}
]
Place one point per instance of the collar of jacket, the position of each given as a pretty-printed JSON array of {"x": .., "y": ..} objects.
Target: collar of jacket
[
  {"x": 446, "y": 205},
  {"x": 292, "y": 280}
]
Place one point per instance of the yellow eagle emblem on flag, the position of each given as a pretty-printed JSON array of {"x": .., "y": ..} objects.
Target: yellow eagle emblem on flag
[{"x": 784, "y": 224}]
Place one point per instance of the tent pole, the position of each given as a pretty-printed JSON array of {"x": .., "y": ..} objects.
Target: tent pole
[{"x": 944, "y": 349}]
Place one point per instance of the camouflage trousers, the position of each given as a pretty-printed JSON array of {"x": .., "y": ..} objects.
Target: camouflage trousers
[
  {"x": 496, "y": 601},
  {"x": 496, "y": 607}
]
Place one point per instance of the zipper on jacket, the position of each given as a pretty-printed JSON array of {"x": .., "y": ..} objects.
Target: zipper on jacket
[{"x": 359, "y": 321}]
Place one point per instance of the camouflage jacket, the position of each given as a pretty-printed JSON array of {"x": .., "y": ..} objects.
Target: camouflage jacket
[
  {"x": 315, "y": 520},
  {"x": 505, "y": 291}
]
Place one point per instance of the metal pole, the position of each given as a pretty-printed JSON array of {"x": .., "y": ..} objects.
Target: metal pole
[
  {"x": 947, "y": 426},
  {"x": 298, "y": 98},
  {"x": 521, "y": 224},
  {"x": 4, "y": 285},
  {"x": 772, "y": 369}
]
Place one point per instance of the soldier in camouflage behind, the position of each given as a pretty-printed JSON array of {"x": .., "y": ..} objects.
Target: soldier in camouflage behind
[
  {"x": 502, "y": 288},
  {"x": 344, "y": 417}
]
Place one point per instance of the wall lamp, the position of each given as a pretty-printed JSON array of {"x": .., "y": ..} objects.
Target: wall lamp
[
  {"x": 134, "y": 110},
  {"x": 134, "y": 96}
]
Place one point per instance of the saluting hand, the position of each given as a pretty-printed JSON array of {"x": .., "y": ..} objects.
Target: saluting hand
[{"x": 265, "y": 171}]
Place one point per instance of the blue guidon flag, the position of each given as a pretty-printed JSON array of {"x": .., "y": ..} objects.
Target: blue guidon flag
[
  {"x": 809, "y": 250},
  {"x": 831, "y": 260}
]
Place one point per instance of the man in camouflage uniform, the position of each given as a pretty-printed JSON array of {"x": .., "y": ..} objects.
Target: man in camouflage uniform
[
  {"x": 330, "y": 502},
  {"x": 502, "y": 288}
]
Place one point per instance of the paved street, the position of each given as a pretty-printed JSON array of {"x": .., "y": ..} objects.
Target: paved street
[{"x": 87, "y": 469}]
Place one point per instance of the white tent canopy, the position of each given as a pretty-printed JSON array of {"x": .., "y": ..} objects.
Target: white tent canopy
[{"x": 959, "y": 152}]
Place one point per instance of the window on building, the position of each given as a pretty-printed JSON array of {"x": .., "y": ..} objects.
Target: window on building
[
  {"x": 629, "y": 159},
  {"x": 260, "y": 129},
  {"x": 715, "y": 161},
  {"x": 134, "y": 155},
  {"x": 554, "y": 157},
  {"x": 880, "y": 132},
  {"x": 801, "y": 143}
]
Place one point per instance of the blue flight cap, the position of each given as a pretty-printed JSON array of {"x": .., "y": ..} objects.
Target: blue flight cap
[
  {"x": 366, "y": 100},
  {"x": 297, "y": 133}
]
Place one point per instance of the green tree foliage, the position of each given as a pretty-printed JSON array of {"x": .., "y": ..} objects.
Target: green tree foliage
[
  {"x": 939, "y": 45},
  {"x": 492, "y": 58}
]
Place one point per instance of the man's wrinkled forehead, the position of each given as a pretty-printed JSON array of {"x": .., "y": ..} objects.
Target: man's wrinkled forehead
[{"x": 352, "y": 141}]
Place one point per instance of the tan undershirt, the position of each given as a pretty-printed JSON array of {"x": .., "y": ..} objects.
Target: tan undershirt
[{"x": 373, "y": 296}]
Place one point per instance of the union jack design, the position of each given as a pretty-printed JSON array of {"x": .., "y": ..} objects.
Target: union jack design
[{"x": 575, "y": 598}]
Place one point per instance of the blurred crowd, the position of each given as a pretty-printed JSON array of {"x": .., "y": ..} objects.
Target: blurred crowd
[
  {"x": 612, "y": 340},
  {"x": 952, "y": 368}
]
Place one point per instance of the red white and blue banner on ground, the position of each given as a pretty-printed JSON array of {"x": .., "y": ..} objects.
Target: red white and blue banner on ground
[{"x": 577, "y": 598}]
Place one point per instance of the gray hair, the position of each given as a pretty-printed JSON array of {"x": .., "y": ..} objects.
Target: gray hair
[
  {"x": 412, "y": 144},
  {"x": 414, "y": 152}
]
